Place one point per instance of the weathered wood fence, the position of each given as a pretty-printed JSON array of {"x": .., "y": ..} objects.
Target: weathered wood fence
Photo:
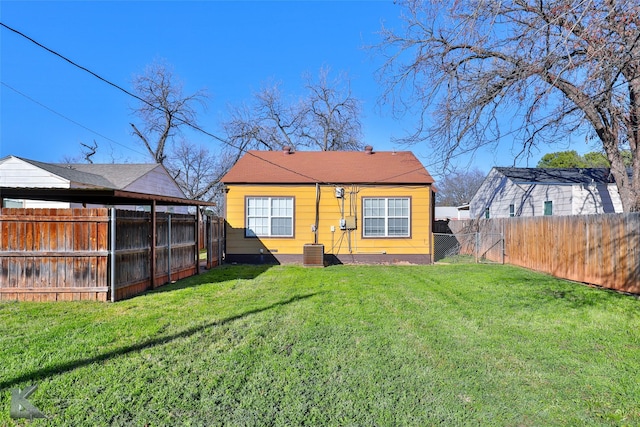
[
  {"x": 66, "y": 254},
  {"x": 54, "y": 254},
  {"x": 603, "y": 250},
  {"x": 176, "y": 254}
]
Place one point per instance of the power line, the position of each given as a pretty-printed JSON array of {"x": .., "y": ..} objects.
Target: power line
[
  {"x": 67, "y": 118},
  {"x": 120, "y": 88},
  {"x": 240, "y": 149}
]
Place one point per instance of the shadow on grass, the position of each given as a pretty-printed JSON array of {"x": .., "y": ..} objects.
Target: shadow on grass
[
  {"x": 43, "y": 373},
  {"x": 219, "y": 274}
]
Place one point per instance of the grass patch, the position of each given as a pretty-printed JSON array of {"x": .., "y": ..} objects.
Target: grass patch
[
  {"x": 344, "y": 345},
  {"x": 458, "y": 259}
]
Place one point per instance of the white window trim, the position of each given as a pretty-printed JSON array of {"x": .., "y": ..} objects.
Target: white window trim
[
  {"x": 270, "y": 217},
  {"x": 386, "y": 218}
]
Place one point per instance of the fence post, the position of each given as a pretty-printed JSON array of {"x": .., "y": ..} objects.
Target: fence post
[
  {"x": 169, "y": 245},
  {"x": 220, "y": 236},
  {"x": 112, "y": 254},
  {"x": 197, "y": 242},
  {"x": 502, "y": 238},
  {"x": 209, "y": 236},
  {"x": 477, "y": 246}
]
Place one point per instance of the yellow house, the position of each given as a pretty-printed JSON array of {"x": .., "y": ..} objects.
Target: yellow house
[{"x": 316, "y": 207}]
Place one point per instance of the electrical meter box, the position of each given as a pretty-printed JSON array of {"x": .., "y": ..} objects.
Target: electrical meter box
[{"x": 350, "y": 222}]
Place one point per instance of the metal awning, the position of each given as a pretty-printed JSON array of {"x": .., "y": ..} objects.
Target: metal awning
[{"x": 96, "y": 196}]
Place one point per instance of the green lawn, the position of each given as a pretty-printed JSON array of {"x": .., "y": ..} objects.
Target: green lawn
[{"x": 344, "y": 345}]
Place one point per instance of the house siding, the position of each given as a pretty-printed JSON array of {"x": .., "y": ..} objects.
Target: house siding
[
  {"x": 528, "y": 199},
  {"x": 157, "y": 181},
  {"x": 17, "y": 173},
  {"x": 498, "y": 192},
  {"x": 595, "y": 199},
  {"x": 340, "y": 243}
]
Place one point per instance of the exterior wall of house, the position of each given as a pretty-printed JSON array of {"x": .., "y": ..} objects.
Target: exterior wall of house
[
  {"x": 339, "y": 245},
  {"x": 451, "y": 212},
  {"x": 157, "y": 181},
  {"x": 595, "y": 199},
  {"x": 15, "y": 172},
  {"x": 492, "y": 190},
  {"x": 498, "y": 192},
  {"x": 34, "y": 204}
]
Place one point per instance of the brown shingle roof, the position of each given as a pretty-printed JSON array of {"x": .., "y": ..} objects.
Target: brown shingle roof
[{"x": 330, "y": 167}]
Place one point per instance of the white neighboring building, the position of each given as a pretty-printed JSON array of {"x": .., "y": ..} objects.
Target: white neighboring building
[
  {"x": 511, "y": 192},
  {"x": 452, "y": 212},
  {"x": 18, "y": 173}
]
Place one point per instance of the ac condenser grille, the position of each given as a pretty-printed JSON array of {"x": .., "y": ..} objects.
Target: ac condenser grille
[{"x": 313, "y": 255}]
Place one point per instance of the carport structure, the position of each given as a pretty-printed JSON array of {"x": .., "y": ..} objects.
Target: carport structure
[{"x": 99, "y": 252}]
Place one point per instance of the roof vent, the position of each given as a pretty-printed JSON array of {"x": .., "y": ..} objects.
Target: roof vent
[
  {"x": 286, "y": 150},
  {"x": 368, "y": 149}
]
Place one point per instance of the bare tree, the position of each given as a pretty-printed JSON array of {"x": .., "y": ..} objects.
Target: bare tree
[
  {"x": 86, "y": 152},
  {"x": 328, "y": 118},
  {"x": 474, "y": 68},
  {"x": 89, "y": 150},
  {"x": 458, "y": 187},
  {"x": 197, "y": 171},
  {"x": 164, "y": 108},
  {"x": 331, "y": 114}
]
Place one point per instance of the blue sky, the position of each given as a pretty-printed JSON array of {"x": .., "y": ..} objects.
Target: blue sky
[{"x": 48, "y": 107}]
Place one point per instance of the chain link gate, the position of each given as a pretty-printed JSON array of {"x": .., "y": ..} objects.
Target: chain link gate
[{"x": 469, "y": 247}]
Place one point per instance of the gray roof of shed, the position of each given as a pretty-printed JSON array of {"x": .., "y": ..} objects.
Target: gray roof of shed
[
  {"x": 121, "y": 175},
  {"x": 99, "y": 184},
  {"x": 558, "y": 175},
  {"x": 73, "y": 175},
  {"x": 115, "y": 176}
]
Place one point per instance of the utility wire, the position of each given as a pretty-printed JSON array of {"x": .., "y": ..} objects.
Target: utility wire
[
  {"x": 120, "y": 88},
  {"x": 67, "y": 118},
  {"x": 240, "y": 149}
]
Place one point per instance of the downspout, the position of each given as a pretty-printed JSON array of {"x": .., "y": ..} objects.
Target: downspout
[
  {"x": 112, "y": 253},
  {"x": 432, "y": 215},
  {"x": 315, "y": 227}
]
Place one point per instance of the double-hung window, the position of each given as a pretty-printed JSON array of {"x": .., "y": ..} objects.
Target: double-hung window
[
  {"x": 269, "y": 217},
  {"x": 386, "y": 217}
]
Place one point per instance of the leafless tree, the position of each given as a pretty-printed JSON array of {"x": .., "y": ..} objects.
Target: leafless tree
[
  {"x": 197, "y": 171},
  {"x": 332, "y": 114},
  {"x": 89, "y": 150},
  {"x": 458, "y": 187},
  {"x": 531, "y": 70},
  {"x": 164, "y": 108},
  {"x": 327, "y": 118},
  {"x": 86, "y": 152}
]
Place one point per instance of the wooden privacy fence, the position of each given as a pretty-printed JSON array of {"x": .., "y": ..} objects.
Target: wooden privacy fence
[
  {"x": 54, "y": 254},
  {"x": 176, "y": 254},
  {"x": 603, "y": 250},
  {"x": 66, "y": 254},
  {"x": 214, "y": 240}
]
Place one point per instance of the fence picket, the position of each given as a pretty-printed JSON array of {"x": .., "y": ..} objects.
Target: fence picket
[{"x": 597, "y": 249}]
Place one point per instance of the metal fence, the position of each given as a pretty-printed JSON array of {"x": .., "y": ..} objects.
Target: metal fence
[{"x": 469, "y": 247}]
